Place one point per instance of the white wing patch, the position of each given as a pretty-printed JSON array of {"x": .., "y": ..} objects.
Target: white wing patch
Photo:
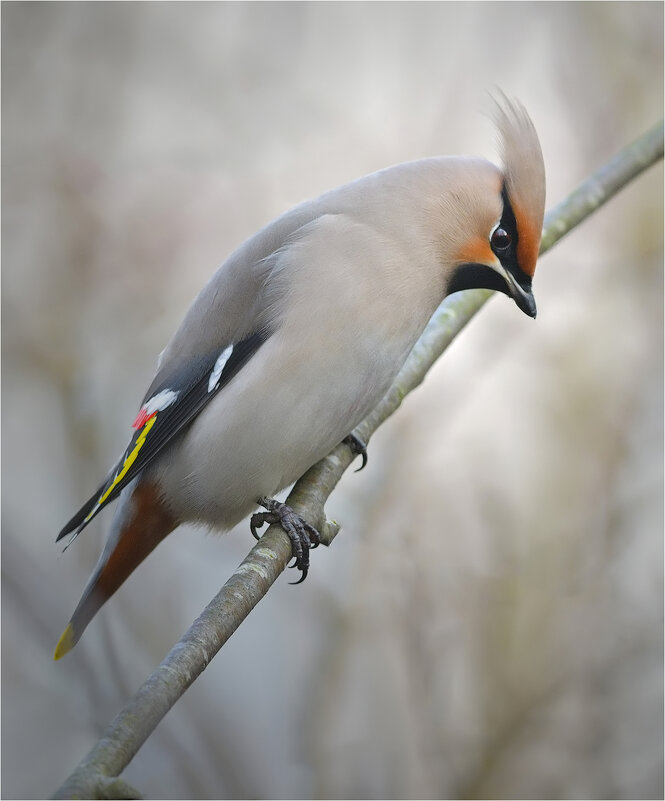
[
  {"x": 219, "y": 366},
  {"x": 162, "y": 400}
]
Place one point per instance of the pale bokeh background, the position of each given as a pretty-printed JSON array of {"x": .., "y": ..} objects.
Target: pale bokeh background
[{"x": 489, "y": 622}]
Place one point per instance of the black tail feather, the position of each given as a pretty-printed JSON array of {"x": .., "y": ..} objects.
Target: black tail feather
[{"x": 77, "y": 523}]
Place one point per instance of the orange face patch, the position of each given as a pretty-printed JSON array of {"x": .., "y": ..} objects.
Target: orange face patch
[
  {"x": 476, "y": 251},
  {"x": 528, "y": 242}
]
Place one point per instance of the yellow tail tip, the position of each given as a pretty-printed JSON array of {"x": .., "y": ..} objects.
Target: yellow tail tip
[{"x": 65, "y": 643}]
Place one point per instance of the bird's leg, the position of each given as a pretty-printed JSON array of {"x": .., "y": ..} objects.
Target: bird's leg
[
  {"x": 358, "y": 447},
  {"x": 303, "y": 536}
]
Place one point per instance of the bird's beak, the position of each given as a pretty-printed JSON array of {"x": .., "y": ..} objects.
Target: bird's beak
[
  {"x": 523, "y": 296},
  {"x": 491, "y": 274}
]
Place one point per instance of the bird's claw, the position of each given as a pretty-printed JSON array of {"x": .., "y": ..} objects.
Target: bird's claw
[
  {"x": 358, "y": 447},
  {"x": 303, "y": 536}
]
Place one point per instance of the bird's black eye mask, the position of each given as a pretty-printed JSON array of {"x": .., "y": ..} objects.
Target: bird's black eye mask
[
  {"x": 503, "y": 241},
  {"x": 506, "y": 234}
]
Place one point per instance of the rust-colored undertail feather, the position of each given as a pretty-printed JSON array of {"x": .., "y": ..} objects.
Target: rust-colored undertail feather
[{"x": 140, "y": 524}]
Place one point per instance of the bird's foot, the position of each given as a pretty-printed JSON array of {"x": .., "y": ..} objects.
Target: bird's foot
[
  {"x": 303, "y": 536},
  {"x": 358, "y": 447}
]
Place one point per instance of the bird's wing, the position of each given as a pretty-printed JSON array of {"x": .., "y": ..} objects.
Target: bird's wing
[
  {"x": 166, "y": 410},
  {"x": 233, "y": 315}
]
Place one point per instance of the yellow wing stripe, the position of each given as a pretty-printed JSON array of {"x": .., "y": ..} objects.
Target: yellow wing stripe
[{"x": 129, "y": 461}]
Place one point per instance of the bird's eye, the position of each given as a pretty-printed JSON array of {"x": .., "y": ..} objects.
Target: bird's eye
[{"x": 500, "y": 239}]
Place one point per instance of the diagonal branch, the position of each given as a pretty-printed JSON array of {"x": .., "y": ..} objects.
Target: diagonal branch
[{"x": 94, "y": 777}]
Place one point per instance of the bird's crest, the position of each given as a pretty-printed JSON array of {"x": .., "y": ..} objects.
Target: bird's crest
[{"x": 524, "y": 177}]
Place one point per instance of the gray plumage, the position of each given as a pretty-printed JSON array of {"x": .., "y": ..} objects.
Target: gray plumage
[
  {"x": 345, "y": 284},
  {"x": 301, "y": 331}
]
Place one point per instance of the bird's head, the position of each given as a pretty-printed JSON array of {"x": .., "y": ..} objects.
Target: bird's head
[{"x": 500, "y": 214}]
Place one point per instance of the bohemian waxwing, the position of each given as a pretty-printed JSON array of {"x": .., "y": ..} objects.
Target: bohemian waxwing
[{"x": 297, "y": 337}]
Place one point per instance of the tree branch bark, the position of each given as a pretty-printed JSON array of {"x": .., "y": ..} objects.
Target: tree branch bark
[{"x": 94, "y": 777}]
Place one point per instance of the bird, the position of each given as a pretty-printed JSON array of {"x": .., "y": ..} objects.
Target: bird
[{"x": 297, "y": 337}]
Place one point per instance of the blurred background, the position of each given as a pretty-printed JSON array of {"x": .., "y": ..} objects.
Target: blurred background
[{"x": 489, "y": 623}]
